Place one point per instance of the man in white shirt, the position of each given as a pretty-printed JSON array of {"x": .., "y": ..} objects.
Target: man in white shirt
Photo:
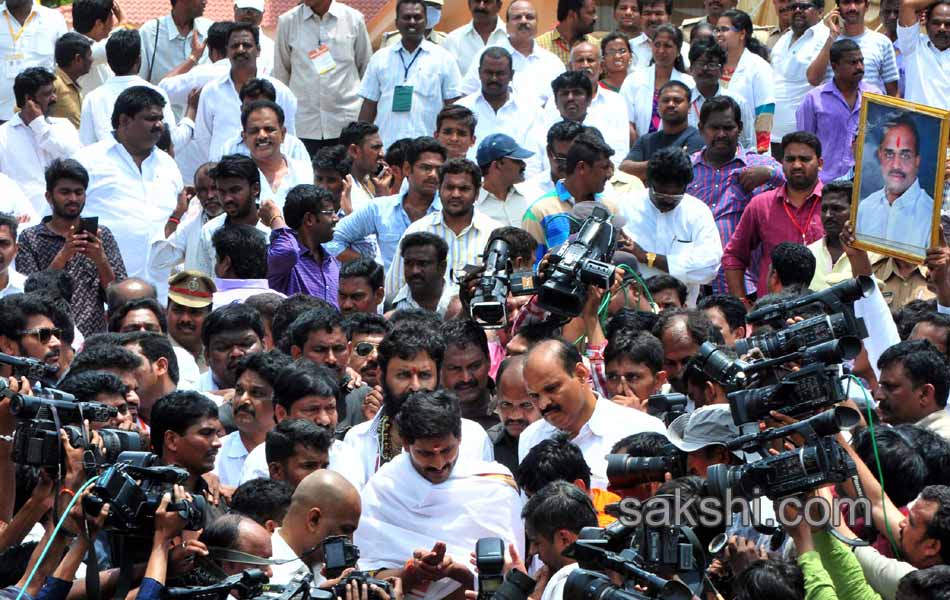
[
  {"x": 219, "y": 109},
  {"x": 96, "y": 19},
  {"x": 558, "y": 382},
  {"x": 28, "y": 40},
  {"x": 11, "y": 282},
  {"x": 31, "y": 139},
  {"x": 502, "y": 162},
  {"x": 14, "y": 202},
  {"x": 485, "y": 29},
  {"x": 899, "y": 214},
  {"x": 407, "y": 84},
  {"x": 424, "y": 259},
  {"x": 925, "y": 57},
  {"x": 133, "y": 186},
  {"x": 252, "y": 13},
  {"x": 672, "y": 232},
  {"x": 170, "y": 40},
  {"x": 323, "y": 49},
  {"x": 534, "y": 66}
]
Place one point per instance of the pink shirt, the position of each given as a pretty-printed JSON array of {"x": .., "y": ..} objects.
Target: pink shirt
[{"x": 767, "y": 221}]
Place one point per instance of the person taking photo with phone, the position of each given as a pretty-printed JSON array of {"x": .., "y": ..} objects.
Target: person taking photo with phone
[{"x": 65, "y": 240}]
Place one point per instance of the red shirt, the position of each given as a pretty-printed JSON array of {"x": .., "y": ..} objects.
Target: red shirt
[{"x": 767, "y": 221}]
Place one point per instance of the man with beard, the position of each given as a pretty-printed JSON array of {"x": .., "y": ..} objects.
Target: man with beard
[
  {"x": 896, "y": 214},
  {"x": 465, "y": 370},
  {"x": 219, "y": 109},
  {"x": 228, "y": 334},
  {"x": 27, "y": 329},
  {"x": 369, "y": 174},
  {"x": 462, "y": 227},
  {"x": 832, "y": 111},
  {"x": 682, "y": 332},
  {"x": 32, "y": 139},
  {"x": 831, "y": 261},
  {"x": 913, "y": 386},
  {"x": 433, "y": 496},
  {"x": 675, "y": 130},
  {"x": 362, "y": 287},
  {"x": 189, "y": 303},
  {"x": 253, "y": 412},
  {"x": 787, "y": 214},
  {"x": 575, "y": 22},
  {"x": 557, "y": 381},
  {"x": 486, "y": 29},
  {"x": 365, "y": 331},
  {"x": 410, "y": 359},
  {"x": 515, "y": 411},
  {"x": 90, "y": 257}
]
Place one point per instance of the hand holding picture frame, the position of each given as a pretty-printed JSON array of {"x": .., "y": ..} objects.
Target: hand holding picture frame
[{"x": 900, "y": 156}]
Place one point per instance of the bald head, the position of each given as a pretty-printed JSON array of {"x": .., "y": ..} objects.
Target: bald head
[
  {"x": 548, "y": 353},
  {"x": 325, "y": 504},
  {"x": 327, "y": 490},
  {"x": 586, "y": 57},
  {"x": 118, "y": 293}
]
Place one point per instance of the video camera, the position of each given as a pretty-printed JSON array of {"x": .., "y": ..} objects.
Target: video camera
[
  {"x": 247, "y": 585},
  {"x": 133, "y": 487},
  {"x": 341, "y": 554},
  {"x": 625, "y": 471},
  {"x": 32, "y": 369},
  {"x": 489, "y": 306},
  {"x": 583, "y": 262},
  {"x": 667, "y": 407}
]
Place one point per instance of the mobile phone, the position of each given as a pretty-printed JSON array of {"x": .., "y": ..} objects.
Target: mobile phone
[{"x": 88, "y": 225}]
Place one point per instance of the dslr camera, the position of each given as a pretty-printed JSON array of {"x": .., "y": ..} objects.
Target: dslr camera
[
  {"x": 625, "y": 471},
  {"x": 341, "y": 554}
]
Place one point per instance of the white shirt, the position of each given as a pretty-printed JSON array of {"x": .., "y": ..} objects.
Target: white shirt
[
  {"x": 686, "y": 235},
  {"x": 431, "y": 72},
  {"x": 362, "y": 448},
  {"x": 100, "y": 71},
  {"x": 754, "y": 79},
  {"x": 188, "y": 372},
  {"x": 15, "y": 283},
  {"x": 403, "y": 299},
  {"x": 554, "y": 589},
  {"x": 164, "y": 48},
  {"x": 178, "y": 87},
  {"x": 637, "y": 91},
  {"x": 34, "y": 47},
  {"x": 255, "y": 464},
  {"x": 133, "y": 203},
  {"x": 790, "y": 60},
  {"x": 517, "y": 119},
  {"x": 14, "y": 202},
  {"x": 219, "y": 113},
  {"x": 26, "y": 151},
  {"x": 328, "y": 100},
  {"x": 464, "y": 248},
  {"x": 533, "y": 73},
  {"x": 165, "y": 254},
  {"x": 283, "y": 574},
  {"x": 206, "y": 257},
  {"x": 880, "y": 61},
  {"x": 608, "y": 424},
  {"x": 509, "y": 211},
  {"x": 746, "y": 111},
  {"x": 926, "y": 69},
  {"x": 292, "y": 148},
  {"x": 904, "y": 224},
  {"x": 607, "y": 113},
  {"x": 265, "y": 58},
  {"x": 230, "y": 459},
  {"x": 298, "y": 172},
  {"x": 466, "y": 43}
]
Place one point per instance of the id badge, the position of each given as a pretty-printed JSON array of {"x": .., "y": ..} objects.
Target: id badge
[
  {"x": 12, "y": 64},
  {"x": 322, "y": 59},
  {"x": 402, "y": 98}
]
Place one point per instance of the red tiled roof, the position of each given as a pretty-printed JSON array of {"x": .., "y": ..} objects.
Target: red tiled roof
[{"x": 139, "y": 11}]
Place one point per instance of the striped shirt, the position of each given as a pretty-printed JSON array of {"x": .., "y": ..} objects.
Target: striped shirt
[
  {"x": 464, "y": 248},
  {"x": 548, "y": 221},
  {"x": 554, "y": 42},
  {"x": 722, "y": 192}
]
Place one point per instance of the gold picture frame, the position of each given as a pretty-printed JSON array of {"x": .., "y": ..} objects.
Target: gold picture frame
[{"x": 873, "y": 188}]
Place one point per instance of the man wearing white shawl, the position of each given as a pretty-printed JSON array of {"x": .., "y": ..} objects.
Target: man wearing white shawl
[{"x": 427, "y": 496}]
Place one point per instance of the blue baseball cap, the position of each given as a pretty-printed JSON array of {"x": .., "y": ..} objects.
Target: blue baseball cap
[{"x": 499, "y": 145}]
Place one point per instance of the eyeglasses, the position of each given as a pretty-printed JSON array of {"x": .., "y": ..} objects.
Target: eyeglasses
[
  {"x": 617, "y": 52},
  {"x": 707, "y": 66},
  {"x": 726, "y": 29},
  {"x": 365, "y": 348},
  {"x": 43, "y": 334},
  {"x": 665, "y": 199},
  {"x": 800, "y": 6}
]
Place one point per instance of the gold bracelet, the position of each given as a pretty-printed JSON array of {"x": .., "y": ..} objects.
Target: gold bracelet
[{"x": 651, "y": 258}]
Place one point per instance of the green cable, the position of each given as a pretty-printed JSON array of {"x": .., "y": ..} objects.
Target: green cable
[
  {"x": 62, "y": 519},
  {"x": 877, "y": 462}
]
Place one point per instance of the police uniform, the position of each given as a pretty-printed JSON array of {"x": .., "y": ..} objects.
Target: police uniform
[{"x": 194, "y": 290}]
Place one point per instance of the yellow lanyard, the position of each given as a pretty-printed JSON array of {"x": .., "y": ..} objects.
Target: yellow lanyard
[{"x": 16, "y": 36}]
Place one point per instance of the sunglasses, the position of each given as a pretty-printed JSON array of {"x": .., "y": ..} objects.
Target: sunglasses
[
  {"x": 365, "y": 348},
  {"x": 43, "y": 334}
]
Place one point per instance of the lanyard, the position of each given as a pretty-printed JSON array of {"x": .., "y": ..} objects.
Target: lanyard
[
  {"x": 16, "y": 36},
  {"x": 794, "y": 221},
  {"x": 411, "y": 62}
]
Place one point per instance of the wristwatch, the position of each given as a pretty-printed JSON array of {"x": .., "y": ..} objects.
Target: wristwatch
[{"x": 651, "y": 258}]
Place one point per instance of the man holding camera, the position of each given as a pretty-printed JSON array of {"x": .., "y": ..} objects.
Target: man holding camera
[
  {"x": 558, "y": 382},
  {"x": 28, "y": 329}
]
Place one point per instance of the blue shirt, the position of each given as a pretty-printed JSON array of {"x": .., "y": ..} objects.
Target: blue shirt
[{"x": 385, "y": 217}]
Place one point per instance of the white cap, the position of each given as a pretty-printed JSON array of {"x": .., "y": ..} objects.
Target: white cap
[{"x": 257, "y": 5}]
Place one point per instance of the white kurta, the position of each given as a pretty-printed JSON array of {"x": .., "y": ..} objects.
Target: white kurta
[
  {"x": 26, "y": 151},
  {"x": 533, "y": 73}
]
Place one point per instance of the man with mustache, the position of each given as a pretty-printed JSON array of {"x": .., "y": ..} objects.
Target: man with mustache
[
  {"x": 465, "y": 370},
  {"x": 575, "y": 22},
  {"x": 913, "y": 386},
  {"x": 424, "y": 258},
  {"x": 832, "y": 111},
  {"x": 485, "y": 29},
  {"x": 515, "y": 410},
  {"x": 189, "y": 303},
  {"x": 653, "y": 13},
  {"x": 228, "y": 334},
  {"x": 90, "y": 258},
  {"x": 410, "y": 359},
  {"x": 174, "y": 38},
  {"x": 924, "y": 56},
  {"x": 682, "y": 331},
  {"x": 255, "y": 90},
  {"x": 557, "y": 381},
  {"x": 27, "y": 328},
  {"x": 365, "y": 331},
  {"x": 791, "y": 213},
  {"x": 897, "y": 214},
  {"x": 879, "y": 59},
  {"x": 219, "y": 109},
  {"x": 362, "y": 287}
]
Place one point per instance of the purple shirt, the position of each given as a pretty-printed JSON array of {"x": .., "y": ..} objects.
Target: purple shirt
[
  {"x": 292, "y": 268},
  {"x": 722, "y": 192},
  {"x": 826, "y": 113}
]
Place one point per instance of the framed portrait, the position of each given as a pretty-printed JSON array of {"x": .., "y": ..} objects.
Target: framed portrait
[{"x": 898, "y": 178}]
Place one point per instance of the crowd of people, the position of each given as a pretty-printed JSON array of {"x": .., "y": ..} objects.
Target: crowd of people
[{"x": 262, "y": 255}]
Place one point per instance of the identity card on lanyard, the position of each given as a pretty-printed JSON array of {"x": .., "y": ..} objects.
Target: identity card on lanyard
[
  {"x": 322, "y": 59},
  {"x": 402, "y": 94}
]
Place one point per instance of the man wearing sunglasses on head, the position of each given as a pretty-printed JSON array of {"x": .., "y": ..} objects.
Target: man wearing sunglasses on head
[
  {"x": 670, "y": 231},
  {"x": 27, "y": 329}
]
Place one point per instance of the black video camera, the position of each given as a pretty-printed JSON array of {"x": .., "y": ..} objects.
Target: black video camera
[
  {"x": 583, "y": 262},
  {"x": 489, "y": 304},
  {"x": 625, "y": 471},
  {"x": 339, "y": 554},
  {"x": 133, "y": 487},
  {"x": 490, "y": 561},
  {"x": 667, "y": 407},
  {"x": 361, "y": 577},
  {"x": 32, "y": 369},
  {"x": 247, "y": 585}
]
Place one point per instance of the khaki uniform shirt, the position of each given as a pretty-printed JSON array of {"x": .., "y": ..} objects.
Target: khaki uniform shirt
[
  {"x": 898, "y": 290},
  {"x": 68, "y": 98}
]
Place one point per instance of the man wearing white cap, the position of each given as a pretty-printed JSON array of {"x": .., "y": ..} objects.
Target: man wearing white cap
[
  {"x": 703, "y": 434},
  {"x": 252, "y": 11}
]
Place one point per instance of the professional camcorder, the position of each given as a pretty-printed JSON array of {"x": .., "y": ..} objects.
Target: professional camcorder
[
  {"x": 667, "y": 407},
  {"x": 32, "y": 369},
  {"x": 583, "y": 262},
  {"x": 625, "y": 471},
  {"x": 245, "y": 585},
  {"x": 489, "y": 302}
]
